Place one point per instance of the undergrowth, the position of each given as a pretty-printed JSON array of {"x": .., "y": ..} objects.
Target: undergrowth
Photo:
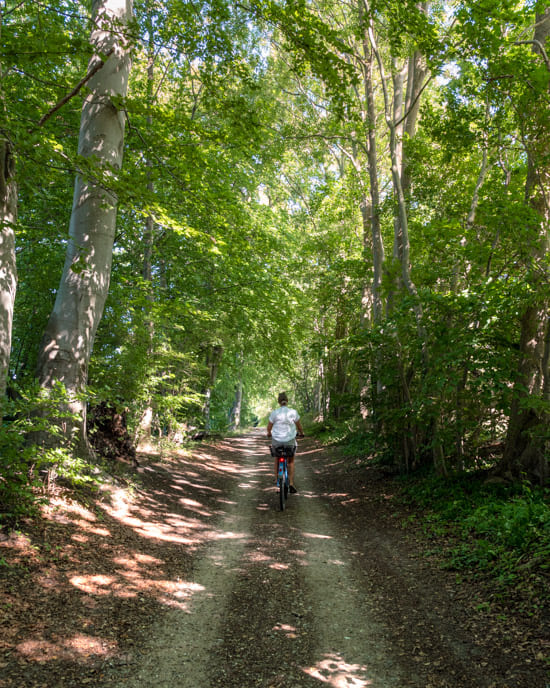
[
  {"x": 495, "y": 529},
  {"x": 26, "y": 466}
]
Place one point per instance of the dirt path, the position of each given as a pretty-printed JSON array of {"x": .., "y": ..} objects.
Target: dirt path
[
  {"x": 276, "y": 601},
  {"x": 306, "y": 598},
  {"x": 201, "y": 582}
]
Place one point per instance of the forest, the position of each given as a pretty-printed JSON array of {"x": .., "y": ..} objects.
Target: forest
[{"x": 204, "y": 203}]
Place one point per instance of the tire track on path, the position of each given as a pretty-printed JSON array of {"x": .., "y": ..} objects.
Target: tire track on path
[
  {"x": 178, "y": 653},
  {"x": 297, "y": 616},
  {"x": 274, "y": 602},
  {"x": 306, "y": 598}
]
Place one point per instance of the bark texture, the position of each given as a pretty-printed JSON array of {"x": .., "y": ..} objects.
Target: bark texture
[
  {"x": 69, "y": 336},
  {"x": 8, "y": 271}
]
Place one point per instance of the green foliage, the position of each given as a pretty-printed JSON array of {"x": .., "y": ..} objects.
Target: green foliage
[
  {"x": 246, "y": 173},
  {"x": 495, "y": 529},
  {"x": 27, "y": 457}
]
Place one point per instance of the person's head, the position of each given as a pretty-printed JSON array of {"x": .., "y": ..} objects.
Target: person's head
[{"x": 282, "y": 399}]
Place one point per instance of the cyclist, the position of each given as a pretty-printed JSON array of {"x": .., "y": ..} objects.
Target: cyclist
[{"x": 282, "y": 426}]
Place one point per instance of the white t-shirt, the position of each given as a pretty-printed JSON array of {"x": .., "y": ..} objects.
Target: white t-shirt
[{"x": 284, "y": 424}]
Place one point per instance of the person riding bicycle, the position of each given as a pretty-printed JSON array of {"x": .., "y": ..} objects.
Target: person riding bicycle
[{"x": 282, "y": 426}]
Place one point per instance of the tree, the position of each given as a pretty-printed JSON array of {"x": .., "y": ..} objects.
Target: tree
[
  {"x": 30, "y": 37},
  {"x": 528, "y": 440},
  {"x": 68, "y": 340},
  {"x": 8, "y": 270}
]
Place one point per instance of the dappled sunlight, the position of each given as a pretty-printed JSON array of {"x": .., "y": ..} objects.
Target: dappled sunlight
[
  {"x": 131, "y": 581},
  {"x": 223, "y": 468},
  {"x": 258, "y": 557},
  {"x": 288, "y": 630},
  {"x": 309, "y": 495},
  {"x": 73, "y": 508},
  {"x": 194, "y": 486},
  {"x": 94, "y": 585},
  {"x": 138, "y": 560},
  {"x": 228, "y": 535},
  {"x": 78, "y": 537},
  {"x": 103, "y": 532},
  {"x": 176, "y": 532},
  {"x": 298, "y": 552},
  {"x": 317, "y": 536},
  {"x": 264, "y": 463},
  {"x": 314, "y": 451},
  {"x": 154, "y": 523},
  {"x": 195, "y": 507},
  {"x": 130, "y": 551},
  {"x": 335, "y": 672},
  {"x": 248, "y": 486},
  {"x": 79, "y": 647}
]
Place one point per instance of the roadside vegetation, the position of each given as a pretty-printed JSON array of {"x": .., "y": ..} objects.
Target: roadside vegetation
[{"x": 487, "y": 529}]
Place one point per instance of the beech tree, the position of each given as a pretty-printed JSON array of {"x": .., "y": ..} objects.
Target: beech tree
[
  {"x": 68, "y": 340},
  {"x": 8, "y": 269}
]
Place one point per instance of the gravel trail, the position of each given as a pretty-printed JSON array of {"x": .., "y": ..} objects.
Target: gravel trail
[
  {"x": 274, "y": 600},
  {"x": 309, "y": 597}
]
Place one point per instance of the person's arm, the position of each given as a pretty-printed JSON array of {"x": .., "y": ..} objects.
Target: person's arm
[
  {"x": 299, "y": 427},
  {"x": 269, "y": 428}
]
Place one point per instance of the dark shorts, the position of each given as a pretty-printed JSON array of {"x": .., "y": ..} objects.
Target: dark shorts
[{"x": 293, "y": 444}]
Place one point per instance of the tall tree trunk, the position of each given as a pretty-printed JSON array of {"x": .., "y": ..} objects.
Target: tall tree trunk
[
  {"x": 235, "y": 420},
  {"x": 371, "y": 211},
  {"x": 145, "y": 423},
  {"x": 235, "y": 413},
  {"x": 401, "y": 112},
  {"x": 527, "y": 441},
  {"x": 8, "y": 270},
  {"x": 401, "y": 107},
  {"x": 339, "y": 367},
  {"x": 214, "y": 355},
  {"x": 68, "y": 340},
  {"x": 236, "y": 424},
  {"x": 403, "y": 120}
]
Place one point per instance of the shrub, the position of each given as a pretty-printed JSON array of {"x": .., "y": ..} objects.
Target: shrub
[{"x": 25, "y": 460}]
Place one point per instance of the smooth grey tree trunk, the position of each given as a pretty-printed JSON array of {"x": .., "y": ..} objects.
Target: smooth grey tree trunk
[
  {"x": 8, "y": 270},
  {"x": 235, "y": 415},
  {"x": 401, "y": 112},
  {"x": 145, "y": 423},
  {"x": 69, "y": 336}
]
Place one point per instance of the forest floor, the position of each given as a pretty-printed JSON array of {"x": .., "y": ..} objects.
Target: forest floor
[{"x": 194, "y": 579}]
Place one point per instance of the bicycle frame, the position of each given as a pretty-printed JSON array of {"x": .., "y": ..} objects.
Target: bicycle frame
[{"x": 282, "y": 454}]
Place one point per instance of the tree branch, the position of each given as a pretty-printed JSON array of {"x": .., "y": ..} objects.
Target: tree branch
[
  {"x": 541, "y": 49},
  {"x": 76, "y": 89}
]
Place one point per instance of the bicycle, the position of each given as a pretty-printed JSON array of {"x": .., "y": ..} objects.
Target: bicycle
[
  {"x": 283, "y": 483},
  {"x": 283, "y": 453}
]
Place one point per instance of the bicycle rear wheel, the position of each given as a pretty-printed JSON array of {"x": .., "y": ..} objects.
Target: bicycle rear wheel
[{"x": 282, "y": 493}]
